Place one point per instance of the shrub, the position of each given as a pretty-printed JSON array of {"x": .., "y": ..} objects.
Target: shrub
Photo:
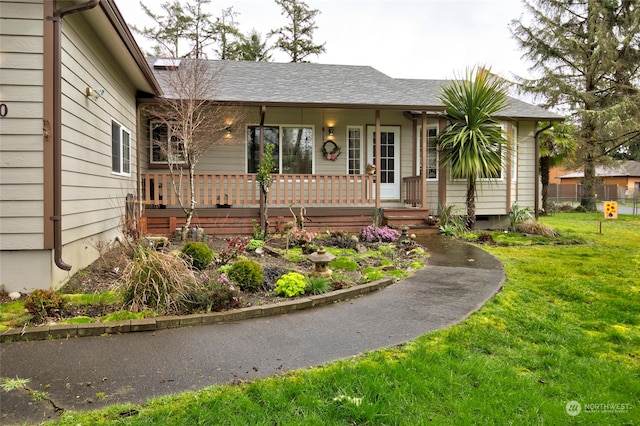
[
  {"x": 158, "y": 281},
  {"x": 215, "y": 294},
  {"x": 451, "y": 221},
  {"x": 254, "y": 244},
  {"x": 291, "y": 284},
  {"x": 198, "y": 254},
  {"x": 44, "y": 303},
  {"x": 533, "y": 227},
  {"x": 247, "y": 274},
  {"x": 373, "y": 233},
  {"x": 318, "y": 285},
  {"x": 518, "y": 215}
]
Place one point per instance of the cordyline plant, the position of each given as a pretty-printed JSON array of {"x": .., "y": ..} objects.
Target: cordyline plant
[
  {"x": 472, "y": 144},
  {"x": 194, "y": 123}
]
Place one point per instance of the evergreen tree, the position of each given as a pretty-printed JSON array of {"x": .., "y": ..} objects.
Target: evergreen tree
[
  {"x": 227, "y": 35},
  {"x": 170, "y": 29},
  {"x": 179, "y": 31},
  {"x": 252, "y": 48},
  {"x": 296, "y": 38},
  {"x": 586, "y": 55}
]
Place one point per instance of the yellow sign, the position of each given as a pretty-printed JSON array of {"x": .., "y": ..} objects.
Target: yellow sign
[{"x": 610, "y": 210}]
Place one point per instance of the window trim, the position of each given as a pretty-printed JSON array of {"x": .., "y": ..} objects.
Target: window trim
[
  {"x": 152, "y": 125},
  {"x": 361, "y": 149},
  {"x": 419, "y": 147},
  {"x": 122, "y": 130}
]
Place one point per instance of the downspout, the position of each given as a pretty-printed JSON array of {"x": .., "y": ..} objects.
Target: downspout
[{"x": 57, "y": 125}]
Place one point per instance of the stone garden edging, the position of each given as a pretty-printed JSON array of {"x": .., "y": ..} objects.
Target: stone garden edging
[{"x": 65, "y": 331}]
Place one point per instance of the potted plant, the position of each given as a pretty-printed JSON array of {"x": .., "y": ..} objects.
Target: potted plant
[{"x": 370, "y": 169}]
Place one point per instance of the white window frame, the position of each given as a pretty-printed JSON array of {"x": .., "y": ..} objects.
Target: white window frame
[
  {"x": 360, "y": 154},
  {"x": 179, "y": 152},
  {"x": 419, "y": 150},
  {"x": 118, "y": 133}
]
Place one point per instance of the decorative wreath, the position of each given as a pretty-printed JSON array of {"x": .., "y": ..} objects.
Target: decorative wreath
[{"x": 329, "y": 152}]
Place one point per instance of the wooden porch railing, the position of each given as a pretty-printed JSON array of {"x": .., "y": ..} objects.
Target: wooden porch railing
[
  {"x": 413, "y": 190},
  {"x": 244, "y": 190}
]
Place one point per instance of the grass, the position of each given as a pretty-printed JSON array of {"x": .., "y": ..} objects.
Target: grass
[{"x": 566, "y": 327}]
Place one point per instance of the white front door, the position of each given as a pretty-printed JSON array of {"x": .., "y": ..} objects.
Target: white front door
[{"x": 389, "y": 173}]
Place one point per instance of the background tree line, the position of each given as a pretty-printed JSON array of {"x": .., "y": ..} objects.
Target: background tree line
[{"x": 188, "y": 29}]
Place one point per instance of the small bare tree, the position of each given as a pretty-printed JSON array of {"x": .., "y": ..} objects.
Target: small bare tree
[{"x": 192, "y": 121}]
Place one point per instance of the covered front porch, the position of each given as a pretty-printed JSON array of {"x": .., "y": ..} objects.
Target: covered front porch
[{"x": 228, "y": 204}]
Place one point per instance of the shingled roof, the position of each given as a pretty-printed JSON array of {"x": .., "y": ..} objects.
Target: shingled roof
[
  {"x": 628, "y": 168},
  {"x": 333, "y": 86}
]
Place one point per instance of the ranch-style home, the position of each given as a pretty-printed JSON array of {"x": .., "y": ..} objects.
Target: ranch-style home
[
  {"x": 81, "y": 159},
  {"x": 328, "y": 122}
]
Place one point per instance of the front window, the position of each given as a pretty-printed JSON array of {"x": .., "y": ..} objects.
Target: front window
[
  {"x": 161, "y": 150},
  {"x": 296, "y": 150},
  {"x": 293, "y": 151},
  {"x": 120, "y": 149},
  {"x": 432, "y": 152}
]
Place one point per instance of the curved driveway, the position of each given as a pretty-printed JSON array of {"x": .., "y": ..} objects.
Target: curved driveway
[{"x": 133, "y": 367}]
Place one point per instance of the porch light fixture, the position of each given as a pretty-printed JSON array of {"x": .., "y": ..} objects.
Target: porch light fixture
[
  {"x": 228, "y": 130},
  {"x": 331, "y": 131},
  {"x": 94, "y": 94}
]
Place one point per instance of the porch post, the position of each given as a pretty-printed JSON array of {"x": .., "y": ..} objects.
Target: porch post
[
  {"x": 263, "y": 224},
  {"x": 423, "y": 162},
  {"x": 442, "y": 174},
  {"x": 377, "y": 158}
]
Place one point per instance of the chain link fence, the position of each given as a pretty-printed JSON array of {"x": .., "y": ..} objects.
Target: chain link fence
[{"x": 571, "y": 194}]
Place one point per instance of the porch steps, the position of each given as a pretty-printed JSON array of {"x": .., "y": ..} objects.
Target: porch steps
[{"x": 413, "y": 218}]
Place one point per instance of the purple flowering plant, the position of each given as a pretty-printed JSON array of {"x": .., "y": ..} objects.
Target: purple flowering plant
[{"x": 372, "y": 234}]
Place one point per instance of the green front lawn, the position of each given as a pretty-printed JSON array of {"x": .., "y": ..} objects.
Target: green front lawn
[{"x": 565, "y": 328}]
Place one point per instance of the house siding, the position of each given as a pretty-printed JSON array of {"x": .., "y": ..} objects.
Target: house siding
[
  {"x": 527, "y": 164},
  {"x": 491, "y": 198},
  {"x": 21, "y": 157},
  {"x": 93, "y": 197}
]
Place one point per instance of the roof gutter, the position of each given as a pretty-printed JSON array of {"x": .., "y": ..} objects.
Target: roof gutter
[{"x": 57, "y": 125}]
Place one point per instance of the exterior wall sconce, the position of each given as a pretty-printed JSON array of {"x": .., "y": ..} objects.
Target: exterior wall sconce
[
  {"x": 331, "y": 131},
  {"x": 94, "y": 93}
]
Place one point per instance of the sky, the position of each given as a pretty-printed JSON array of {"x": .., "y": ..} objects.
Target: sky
[{"x": 425, "y": 39}]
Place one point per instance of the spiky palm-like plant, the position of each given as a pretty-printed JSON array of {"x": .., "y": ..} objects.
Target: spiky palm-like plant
[{"x": 473, "y": 142}]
